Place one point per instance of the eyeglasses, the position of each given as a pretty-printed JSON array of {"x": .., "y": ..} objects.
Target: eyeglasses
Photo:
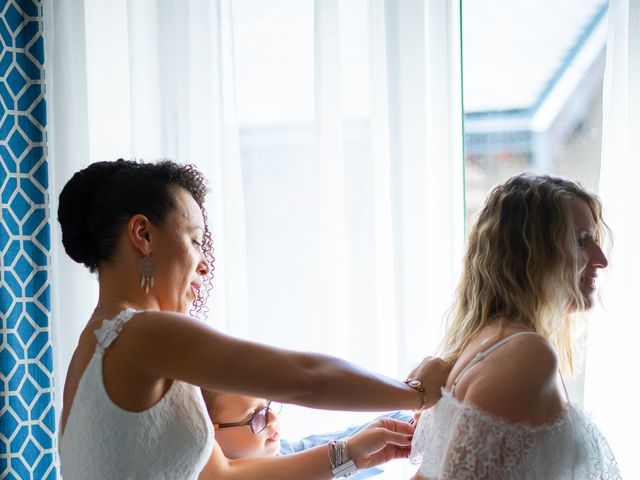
[{"x": 258, "y": 421}]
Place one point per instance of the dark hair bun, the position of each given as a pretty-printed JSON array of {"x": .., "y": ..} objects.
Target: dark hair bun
[{"x": 76, "y": 203}]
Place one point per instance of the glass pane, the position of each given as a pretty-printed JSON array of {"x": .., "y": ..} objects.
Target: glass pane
[{"x": 533, "y": 74}]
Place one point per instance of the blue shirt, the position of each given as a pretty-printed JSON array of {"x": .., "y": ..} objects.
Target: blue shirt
[{"x": 287, "y": 447}]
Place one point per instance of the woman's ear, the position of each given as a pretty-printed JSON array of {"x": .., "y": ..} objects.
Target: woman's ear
[{"x": 139, "y": 231}]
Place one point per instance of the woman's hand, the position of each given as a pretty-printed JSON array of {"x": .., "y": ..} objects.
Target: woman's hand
[
  {"x": 385, "y": 439},
  {"x": 416, "y": 417},
  {"x": 433, "y": 373}
]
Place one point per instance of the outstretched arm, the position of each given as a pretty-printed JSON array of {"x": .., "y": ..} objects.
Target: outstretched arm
[
  {"x": 287, "y": 447},
  {"x": 178, "y": 347},
  {"x": 383, "y": 440}
]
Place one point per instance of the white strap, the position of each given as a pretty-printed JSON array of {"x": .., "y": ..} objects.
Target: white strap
[
  {"x": 110, "y": 329},
  {"x": 483, "y": 354},
  {"x": 564, "y": 387}
]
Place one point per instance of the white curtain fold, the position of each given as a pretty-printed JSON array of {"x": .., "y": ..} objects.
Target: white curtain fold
[
  {"x": 390, "y": 212},
  {"x": 610, "y": 391},
  {"x": 426, "y": 149},
  {"x": 387, "y": 332},
  {"x": 145, "y": 80},
  {"x": 68, "y": 151},
  {"x": 332, "y": 254}
]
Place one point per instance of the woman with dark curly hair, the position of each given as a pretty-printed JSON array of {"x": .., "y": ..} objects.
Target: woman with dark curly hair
[
  {"x": 531, "y": 265},
  {"x": 132, "y": 406}
]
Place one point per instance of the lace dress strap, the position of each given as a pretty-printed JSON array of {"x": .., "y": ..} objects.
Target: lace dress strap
[
  {"x": 479, "y": 356},
  {"x": 111, "y": 328}
]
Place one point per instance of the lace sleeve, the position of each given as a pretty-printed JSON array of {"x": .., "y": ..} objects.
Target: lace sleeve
[{"x": 458, "y": 441}]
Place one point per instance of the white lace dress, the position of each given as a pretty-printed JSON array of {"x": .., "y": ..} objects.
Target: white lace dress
[
  {"x": 458, "y": 441},
  {"x": 170, "y": 441}
]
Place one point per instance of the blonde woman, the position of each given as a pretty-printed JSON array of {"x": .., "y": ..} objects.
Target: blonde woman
[{"x": 531, "y": 264}]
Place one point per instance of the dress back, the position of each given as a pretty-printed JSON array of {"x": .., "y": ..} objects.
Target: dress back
[{"x": 171, "y": 440}]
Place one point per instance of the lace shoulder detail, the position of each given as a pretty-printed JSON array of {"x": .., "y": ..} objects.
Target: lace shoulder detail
[
  {"x": 456, "y": 440},
  {"x": 111, "y": 328}
]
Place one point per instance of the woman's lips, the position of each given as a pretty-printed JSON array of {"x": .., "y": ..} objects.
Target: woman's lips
[
  {"x": 274, "y": 437},
  {"x": 589, "y": 282}
]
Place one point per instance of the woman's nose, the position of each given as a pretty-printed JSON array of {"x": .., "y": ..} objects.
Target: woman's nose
[
  {"x": 598, "y": 258},
  {"x": 205, "y": 267}
]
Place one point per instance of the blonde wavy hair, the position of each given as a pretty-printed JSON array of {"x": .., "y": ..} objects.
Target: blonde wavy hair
[{"x": 521, "y": 264}]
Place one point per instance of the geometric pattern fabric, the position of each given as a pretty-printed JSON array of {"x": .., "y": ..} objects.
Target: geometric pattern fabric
[{"x": 27, "y": 415}]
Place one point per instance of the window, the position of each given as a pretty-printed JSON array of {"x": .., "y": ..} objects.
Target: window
[{"x": 532, "y": 94}]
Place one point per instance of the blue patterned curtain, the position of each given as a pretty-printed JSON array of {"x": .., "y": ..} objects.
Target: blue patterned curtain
[{"x": 27, "y": 416}]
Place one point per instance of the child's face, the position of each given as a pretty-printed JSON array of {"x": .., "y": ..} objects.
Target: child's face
[{"x": 240, "y": 441}]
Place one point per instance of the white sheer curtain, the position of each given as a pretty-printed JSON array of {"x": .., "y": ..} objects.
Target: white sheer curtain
[
  {"x": 364, "y": 258},
  {"x": 145, "y": 80},
  {"x": 338, "y": 231},
  {"x": 611, "y": 388}
]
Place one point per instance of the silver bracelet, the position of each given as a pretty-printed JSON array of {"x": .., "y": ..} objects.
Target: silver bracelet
[{"x": 341, "y": 463}]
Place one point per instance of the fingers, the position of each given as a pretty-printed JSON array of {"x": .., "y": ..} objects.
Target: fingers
[
  {"x": 374, "y": 439},
  {"x": 397, "y": 426},
  {"x": 378, "y": 446},
  {"x": 413, "y": 373},
  {"x": 397, "y": 438},
  {"x": 433, "y": 373},
  {"x": 383, "y": 435},
  {"x": 416, "y": 418}
]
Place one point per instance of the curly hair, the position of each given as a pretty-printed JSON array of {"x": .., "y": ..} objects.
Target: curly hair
[
  {"x": 521, "y": 264},
  {"x": 97, "y": 202}
]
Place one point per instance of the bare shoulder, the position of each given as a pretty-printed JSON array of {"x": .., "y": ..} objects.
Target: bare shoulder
[
  {"x": 532, "y": 354},
  {"x": 169, "y": 335},
  {"x": 168, "y": 345},
  {"x": 152, "y": 321},
  {"x": 517, "y": 381},
  {"x": 148, "y": 329}
]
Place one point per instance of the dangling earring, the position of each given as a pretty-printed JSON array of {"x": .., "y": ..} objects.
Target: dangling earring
[{"x": 146, "y": 267}]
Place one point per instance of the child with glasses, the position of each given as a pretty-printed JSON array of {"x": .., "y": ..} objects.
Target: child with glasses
[{"x": 249, "y": 427}]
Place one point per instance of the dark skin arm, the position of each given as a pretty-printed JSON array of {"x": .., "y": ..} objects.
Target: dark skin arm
[{"x": 156, "y": 348}]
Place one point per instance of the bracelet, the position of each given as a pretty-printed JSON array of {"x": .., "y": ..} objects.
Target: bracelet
[
  {"x": 417, "y": 386},
  {"x": 341, "y": 464}
]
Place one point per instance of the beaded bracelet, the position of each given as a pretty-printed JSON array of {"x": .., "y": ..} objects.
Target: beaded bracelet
[{"x": 341, "y": 464}]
